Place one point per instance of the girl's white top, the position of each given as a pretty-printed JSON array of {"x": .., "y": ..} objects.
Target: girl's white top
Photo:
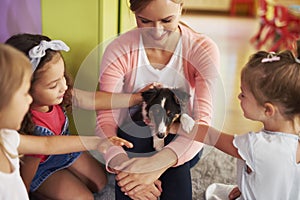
[
  {"x": 272, "y": 158},
  {"x": 11, "y": 184}
]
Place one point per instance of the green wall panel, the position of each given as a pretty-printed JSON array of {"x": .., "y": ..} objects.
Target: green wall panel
[
  {"x": 127, "y": 19},
  {"x": 82, "y": 24}
]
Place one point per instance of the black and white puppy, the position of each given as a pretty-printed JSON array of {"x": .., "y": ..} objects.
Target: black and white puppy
[{"x": 161, "y": 108}]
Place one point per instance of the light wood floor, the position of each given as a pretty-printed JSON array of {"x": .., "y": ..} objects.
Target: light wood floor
[{"x": 232, "y": 35}]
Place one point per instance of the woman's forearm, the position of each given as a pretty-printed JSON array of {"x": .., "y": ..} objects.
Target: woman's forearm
[{"x": 165, "y": 158}]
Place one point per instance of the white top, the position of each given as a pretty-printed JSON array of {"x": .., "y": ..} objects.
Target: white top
[
  {"x": 272, "y": 158},
  {"x": 170, "y": 76},
  {"x": 11, "y": 184}
]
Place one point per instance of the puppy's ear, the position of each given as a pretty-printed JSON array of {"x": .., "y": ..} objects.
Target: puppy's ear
[
  {"x": 150, "y": 94},
  {"x": 180, "y": 96}
]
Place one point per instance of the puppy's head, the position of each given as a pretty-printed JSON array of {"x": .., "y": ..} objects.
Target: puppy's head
[{"x": 162, "y": 107}]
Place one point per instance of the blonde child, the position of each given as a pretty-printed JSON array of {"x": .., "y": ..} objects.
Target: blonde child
[
  {"x": 15, "y": 100},
  {"x": 64, "y": 176}
]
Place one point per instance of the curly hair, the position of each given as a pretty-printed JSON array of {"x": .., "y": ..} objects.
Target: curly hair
[{"x": 25, "y": 42}]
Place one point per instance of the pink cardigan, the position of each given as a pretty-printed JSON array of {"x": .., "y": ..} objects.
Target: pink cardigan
[{"x": 201, "y": 61}]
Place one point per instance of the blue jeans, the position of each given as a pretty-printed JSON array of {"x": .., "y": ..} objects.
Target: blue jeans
[
  {"x": 176, "y": 181},
  {"x": 54, "y": 162}
]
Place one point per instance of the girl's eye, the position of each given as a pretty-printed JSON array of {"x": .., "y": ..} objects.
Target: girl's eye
[{"x": 54, "y": 86}]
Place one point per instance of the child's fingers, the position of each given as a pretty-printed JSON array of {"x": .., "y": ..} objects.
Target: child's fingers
[
  {"x": 120, "y": 142},
  {"x": 151, "y": 86},
  {"x": 158, "y": 85}
]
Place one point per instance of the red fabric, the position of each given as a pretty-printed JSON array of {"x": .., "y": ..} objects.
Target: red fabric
[{"x": 54, "y": 120}]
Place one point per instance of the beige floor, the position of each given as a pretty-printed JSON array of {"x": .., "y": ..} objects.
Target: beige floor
[{"x": 232, "y": 35}]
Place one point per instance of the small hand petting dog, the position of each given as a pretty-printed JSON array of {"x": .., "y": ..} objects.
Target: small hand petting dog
[{"x": 161, "y": 108}]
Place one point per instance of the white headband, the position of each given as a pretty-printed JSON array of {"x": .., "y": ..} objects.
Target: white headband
[
  {"x": 37, "y": 52},
  {"x": 271, "y": 57}
]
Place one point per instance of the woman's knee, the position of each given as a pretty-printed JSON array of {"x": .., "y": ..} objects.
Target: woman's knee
[{"x": 176, "y": 183}]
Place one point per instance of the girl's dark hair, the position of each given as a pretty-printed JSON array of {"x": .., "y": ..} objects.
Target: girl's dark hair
[{"x": 25, "y": 42}]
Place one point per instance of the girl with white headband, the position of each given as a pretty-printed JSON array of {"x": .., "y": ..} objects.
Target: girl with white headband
[{"x": 56, "y": 176}]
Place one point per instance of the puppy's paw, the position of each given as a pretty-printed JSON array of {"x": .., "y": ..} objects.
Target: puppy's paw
[{"x": 187, "y": 122}]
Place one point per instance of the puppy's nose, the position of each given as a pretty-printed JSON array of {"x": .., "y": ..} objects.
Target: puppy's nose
[{"x": 160, "y": 135}]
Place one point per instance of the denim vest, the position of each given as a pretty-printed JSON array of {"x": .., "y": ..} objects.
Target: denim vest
[{"x": 54, "y": 162}]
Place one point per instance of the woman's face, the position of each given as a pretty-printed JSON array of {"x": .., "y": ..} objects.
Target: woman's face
[{"x": 159, "y": 18}]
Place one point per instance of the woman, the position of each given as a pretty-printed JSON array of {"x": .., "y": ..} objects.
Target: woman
[{"x": 161, "y": 50}]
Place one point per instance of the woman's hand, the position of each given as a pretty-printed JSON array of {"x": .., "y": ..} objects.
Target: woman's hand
[
  {"x": 137, "y": 174},
  {"x": 151, "y": 192}
]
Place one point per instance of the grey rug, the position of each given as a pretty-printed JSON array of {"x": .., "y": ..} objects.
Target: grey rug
[{"x": 214, "y": 167}]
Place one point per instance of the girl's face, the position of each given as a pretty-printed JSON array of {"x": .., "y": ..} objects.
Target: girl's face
[
  {"x": 252, "y": 110},
  {"x": 50, "y": 87},
  {"x": 160, "y": 17},
  {"x": 11, "y": 116}
]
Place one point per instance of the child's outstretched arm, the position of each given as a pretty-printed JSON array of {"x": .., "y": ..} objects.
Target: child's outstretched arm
[
  {"x": 65, "y": 144},
  {"x": 213, "y": 137},
  {"x": 104, "y": 100},
  {"x": 100, "y": 100}
]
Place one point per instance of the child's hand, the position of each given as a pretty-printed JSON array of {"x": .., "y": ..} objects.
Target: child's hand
[
  {"x": 120, "y": 142},
  {"x": 151, "y": 86}
]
